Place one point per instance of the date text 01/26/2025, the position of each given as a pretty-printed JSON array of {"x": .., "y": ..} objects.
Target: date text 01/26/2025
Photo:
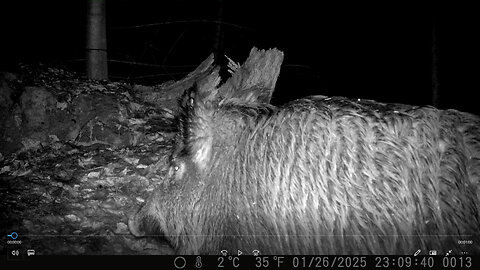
[{"x": 345, "y": 262}]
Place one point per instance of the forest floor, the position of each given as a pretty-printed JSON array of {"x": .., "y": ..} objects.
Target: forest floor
[
  {"x": 79, "y": 157},
  {"x": 76, "y": 200}
]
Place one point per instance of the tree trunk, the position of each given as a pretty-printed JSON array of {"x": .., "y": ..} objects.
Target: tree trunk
[
  {"x": 96, "y": 49},
  {"x": 218, "y": 39},
  {"x": 435, "y": 88}
]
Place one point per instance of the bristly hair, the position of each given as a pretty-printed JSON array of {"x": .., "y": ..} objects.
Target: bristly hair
[{"x": 184, "y": 113}]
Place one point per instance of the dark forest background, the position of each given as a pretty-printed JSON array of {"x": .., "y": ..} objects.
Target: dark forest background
[{"x": 369, "y": 50}]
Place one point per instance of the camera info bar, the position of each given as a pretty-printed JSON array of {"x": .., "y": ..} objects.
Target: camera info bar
[{"x": 252, "y": 262}]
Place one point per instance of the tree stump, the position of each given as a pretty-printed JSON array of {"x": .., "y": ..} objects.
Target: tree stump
[{"x": 253, "y": 81}]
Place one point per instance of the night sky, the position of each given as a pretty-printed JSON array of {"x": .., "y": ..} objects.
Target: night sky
[{"x": 372, "y": 50}]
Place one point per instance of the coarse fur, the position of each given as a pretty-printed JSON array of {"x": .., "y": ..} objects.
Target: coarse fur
[{"x": 318, "y": 176}]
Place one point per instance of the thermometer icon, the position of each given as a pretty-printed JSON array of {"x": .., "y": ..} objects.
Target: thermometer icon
[{"x": 13, "y": 235}]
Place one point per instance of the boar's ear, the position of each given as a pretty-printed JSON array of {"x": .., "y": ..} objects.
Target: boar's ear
[{"x": 196, "y": 125}]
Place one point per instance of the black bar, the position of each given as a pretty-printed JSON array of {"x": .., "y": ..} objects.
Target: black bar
[{"x": 242, "y": 262}]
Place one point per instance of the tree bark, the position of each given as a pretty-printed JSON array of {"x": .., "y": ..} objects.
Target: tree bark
[
  {"x": 252, "y": 82},
  {"x": 96, "y": 49}
]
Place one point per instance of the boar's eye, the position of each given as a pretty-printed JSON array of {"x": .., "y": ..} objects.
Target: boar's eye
[{"x": 177, "y": 168}]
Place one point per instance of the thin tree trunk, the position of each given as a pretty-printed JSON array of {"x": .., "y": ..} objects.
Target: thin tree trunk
[
  {"x": 435, "y": 86},
  {"x": 96, "y": 49},
  {"x": 218, "y": 39}
]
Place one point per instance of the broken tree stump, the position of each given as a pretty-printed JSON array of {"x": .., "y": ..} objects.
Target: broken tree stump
[{"x": 258, "y": 74}]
